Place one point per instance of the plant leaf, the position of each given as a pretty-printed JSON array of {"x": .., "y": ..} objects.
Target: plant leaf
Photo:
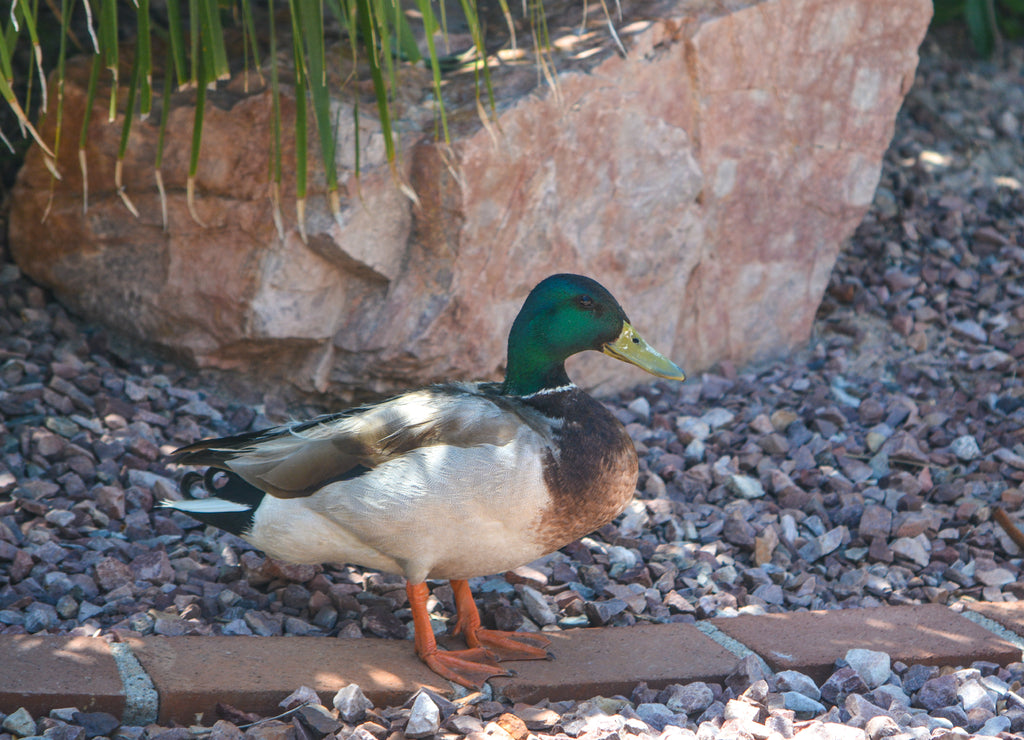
[
  {"x": 109, "y": 50},
  {"x": 979, "y": 26},
  {"x": 311, "y": 32},
  {"x": 301, "y": 134},
  {"x": 144, "y": 58},
  {"x": 429, "y": 28},
  {"x": 197, "y": 140}
]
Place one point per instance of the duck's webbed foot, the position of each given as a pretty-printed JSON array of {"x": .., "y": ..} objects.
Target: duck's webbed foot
[
  {"x": 469, "y": 668},
  {"x": 505, "y": 645}
]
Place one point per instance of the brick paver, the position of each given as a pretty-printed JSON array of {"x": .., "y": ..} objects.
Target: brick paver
[
  {"x": 192, "y": 674},
  {"x": 1008, "y": 614},
  {"x": 604, "y": 662},
  {"x": 44, "y": 672},
  {"x": 811, "y": 642}
]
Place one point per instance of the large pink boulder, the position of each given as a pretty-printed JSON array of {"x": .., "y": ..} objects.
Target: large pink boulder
[{"x": 709, "y": 179}]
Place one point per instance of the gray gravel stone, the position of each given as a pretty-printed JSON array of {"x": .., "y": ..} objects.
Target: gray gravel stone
[
  {"x": 690, "y": 698},
  {"x": 841, "y": 684},
  {"x": 796, "y": 681},
  {"x": 40, "y": 616},
  {"x": 351, "y": 703},
  {"x": 965, "y": 448},
  {"x": 938, "y": 692},
  {"x": 19, "y": 722},
  {"x": 802, "y": 704},
  {"x": 745, "y": 486},
  {"x": 537, "y": 607},
  {"x": 973, "y": 695},
  {"x": 659, "y": 716},
  {"x": 872, "y": 666}
]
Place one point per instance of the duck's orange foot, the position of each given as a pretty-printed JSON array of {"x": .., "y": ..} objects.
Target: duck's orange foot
[
  {"x": 470, "y": 668},
  {"x": 511, "y": 645}
]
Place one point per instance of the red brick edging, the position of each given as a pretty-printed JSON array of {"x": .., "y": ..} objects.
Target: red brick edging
[{"x": 191, "y": 674}]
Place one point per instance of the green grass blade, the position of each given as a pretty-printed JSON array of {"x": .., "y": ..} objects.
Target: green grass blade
[
  {"x": 197, "y": 122},
  {"x": 979, "y": 26},
  {"x": 165, "y": 114},
  {"x": 129, "y": 110},
  {"x": 367, "y": 31},
  {"x": 91, "y": 26},
  {"x": 405, "y": 39},
  {"x": 275, "y": 126},
  {"x": 355, "y": 128},
  {"x": 8, "y": 37},
  {"x": 380, "y": 21},
  {"x": 311, "y": 32},
  {"x": 193, "y": 27},
  {"x": 945, "y": 11},
  {"x": 66, "y": 8},
  {"x": 8, "y": 95},
  {"x": 473, "y": 19},
  {"x": 340, "y": 13},
  {"x": 275, "y": 97},
  {"x": 214, "y": 52},
  {"x": 90, "y": 99},
  {"x": 126, "y": 128},
  {"x": 109, "y": 50},
  {"x": 301, "y": 129},
  {"x": 28, "y": 20},
  {"x": 177, "y": 42},
  {"x": 197, "y": 139},
  {"x": 144, "y": 58},
  {"x": 429, "y": 28},
  {"x": 508, "y": 21},
  {"x": 249, "y": 29}
]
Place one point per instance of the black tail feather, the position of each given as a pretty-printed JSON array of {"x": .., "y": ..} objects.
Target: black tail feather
[{"x": 228, "y": 486}]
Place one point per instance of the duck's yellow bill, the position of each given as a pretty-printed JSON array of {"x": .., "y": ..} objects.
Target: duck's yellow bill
[{"x": 630, "y": 347}]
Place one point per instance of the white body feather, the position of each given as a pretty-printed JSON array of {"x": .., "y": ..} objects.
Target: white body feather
[
  {"x": 440, "y": 462},
  {"x": 405, "y": 515}
]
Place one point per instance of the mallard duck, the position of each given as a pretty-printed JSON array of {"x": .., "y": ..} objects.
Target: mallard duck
[{"x": 447, "y": 482}]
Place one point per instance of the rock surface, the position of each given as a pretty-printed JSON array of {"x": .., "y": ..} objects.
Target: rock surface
[{"x": 708, "y": 178}]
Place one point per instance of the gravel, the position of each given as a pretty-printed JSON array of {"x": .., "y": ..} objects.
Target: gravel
[{"x": 871, "y": 468}]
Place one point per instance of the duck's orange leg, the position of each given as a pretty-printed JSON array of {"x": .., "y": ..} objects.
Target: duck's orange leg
[
  {"x": 507, "y": 645},
  {"x": 470, "y": 668}
]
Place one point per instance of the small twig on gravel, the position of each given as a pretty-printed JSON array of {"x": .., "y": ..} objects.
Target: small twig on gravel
[
  {"x": 203, "y": 731},
  {"x": 1011, "y": 529}
]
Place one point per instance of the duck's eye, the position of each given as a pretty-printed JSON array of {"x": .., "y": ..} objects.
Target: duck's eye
[{"x": 585, "y": 301}]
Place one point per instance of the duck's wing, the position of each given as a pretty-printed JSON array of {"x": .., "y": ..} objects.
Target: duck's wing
[{"x": 296, "y": 460}]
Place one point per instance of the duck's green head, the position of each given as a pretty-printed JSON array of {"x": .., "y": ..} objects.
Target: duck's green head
[{"x": 566, "y": 314}]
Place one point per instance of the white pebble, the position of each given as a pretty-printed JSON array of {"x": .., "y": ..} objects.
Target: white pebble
[
  {"x": 797, "y": 681},
  {"x": 424, "y": 718},
  {"x": 873, "y": 666},
  {"x": 351, "y": 702},
  {"x": 744, "y": 486},
  {"x": 718, "y": 417},
  {"x": 694, "y": 451},
  {"x": 641, "y": 407},
  {"x": 965, "y": 448},
  {"x": 634, "y": 519},
  {"x": 912, "y": 549},
  {"x": 694, "y": 427},
  {"x": 538, "y": 608}
]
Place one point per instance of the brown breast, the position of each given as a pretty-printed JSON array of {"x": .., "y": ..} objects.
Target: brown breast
[{"x": 591, "y": 472}]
